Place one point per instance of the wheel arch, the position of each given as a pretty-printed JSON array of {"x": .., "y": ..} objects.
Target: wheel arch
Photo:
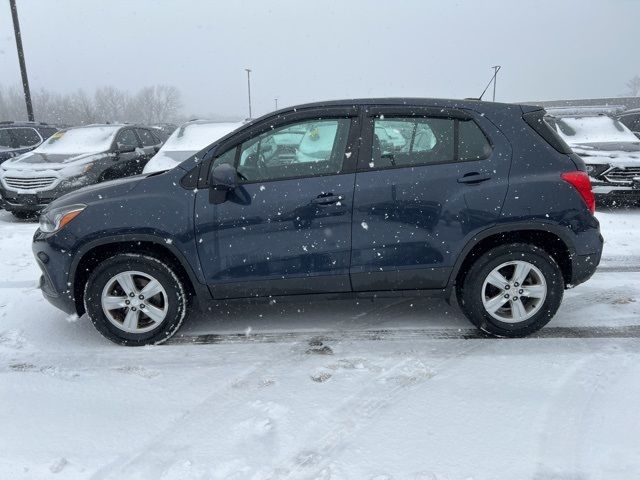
[
  {"x": 549, "y": 238},
  {"x": 92, "y": 254}
]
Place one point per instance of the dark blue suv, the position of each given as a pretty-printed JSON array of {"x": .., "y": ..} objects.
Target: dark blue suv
[{"x": 405, "y": 197}]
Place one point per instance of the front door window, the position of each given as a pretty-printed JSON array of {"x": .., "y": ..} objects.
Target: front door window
[{"x": 303, "y": 149}]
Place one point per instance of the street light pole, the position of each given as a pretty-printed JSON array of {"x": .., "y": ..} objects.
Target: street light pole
[
  {"x": 248, "y": 70},
  {"x": 276, "y": 99},
  {"x": 496, "y": 69},
  {"x": 23, "y": 66}
]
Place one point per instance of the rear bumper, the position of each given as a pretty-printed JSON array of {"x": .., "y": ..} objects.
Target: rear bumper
[{"x": 583, "y": 267}]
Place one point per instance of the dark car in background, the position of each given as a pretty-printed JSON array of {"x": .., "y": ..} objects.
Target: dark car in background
[
  {"x": 631, "y": 119},
  {"x": 73, "y": 158},
  {"x": 17, "y": 138},
  {"x": 163, "y": 130},
  {"x": 489, "y": 204},
  {"x": 609, "y": 149}
]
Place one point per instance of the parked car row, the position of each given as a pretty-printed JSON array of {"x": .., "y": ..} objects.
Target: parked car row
[
  {"x": 40, "y": 163},
  {"x": 73, "y": 158}
]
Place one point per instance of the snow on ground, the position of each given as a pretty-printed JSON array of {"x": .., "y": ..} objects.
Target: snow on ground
[{"x": 393, "y": 389}]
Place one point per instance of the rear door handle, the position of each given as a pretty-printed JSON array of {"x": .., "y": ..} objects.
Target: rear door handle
[
  {"x": 474, "y": 177},
  {"x": 327, "y": 199}
]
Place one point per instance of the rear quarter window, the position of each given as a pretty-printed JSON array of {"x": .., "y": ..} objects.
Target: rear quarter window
[{"x": 536, "y": 120}]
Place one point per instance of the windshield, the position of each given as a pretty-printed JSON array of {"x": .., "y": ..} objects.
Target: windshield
[
  {"x": 596, "y": 129},
  {"x": 80, "y": 140},
  {"x": 192, "y": 137}
]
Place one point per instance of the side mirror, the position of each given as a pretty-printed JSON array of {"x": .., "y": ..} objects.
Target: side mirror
[
  {"x": 122, "y": 148},
  {"x": 222, "y": 180}
]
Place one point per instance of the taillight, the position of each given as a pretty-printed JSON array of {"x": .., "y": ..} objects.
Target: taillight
[{"x": 580, "y": 181}]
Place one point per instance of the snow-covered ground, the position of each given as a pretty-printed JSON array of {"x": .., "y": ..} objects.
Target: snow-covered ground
[{"x": 394, "y": 389}]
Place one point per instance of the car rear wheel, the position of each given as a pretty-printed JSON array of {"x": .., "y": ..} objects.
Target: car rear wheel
[
  {"x": 135, "y": 300},
  {"x": 512, "y": 290}
]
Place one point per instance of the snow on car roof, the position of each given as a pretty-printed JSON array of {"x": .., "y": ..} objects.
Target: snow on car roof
[{"x": 194, "y": 136}]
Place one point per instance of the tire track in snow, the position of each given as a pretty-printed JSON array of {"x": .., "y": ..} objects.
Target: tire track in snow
[{"x": 626, "y": 331}]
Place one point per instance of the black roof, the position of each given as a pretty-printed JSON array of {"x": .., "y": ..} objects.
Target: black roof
[{"x": 470, "y": 104}]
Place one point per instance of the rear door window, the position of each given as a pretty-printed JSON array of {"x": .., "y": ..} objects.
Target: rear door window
[
  {"x": 25, "y": 137},
  {"x": 472, "y": 142},
  {"x": 410, "y": 141},
  {"x": 403, "y": 142},
  {"x": 148, "y": 140},
  {"x": 127, "y": 137}
]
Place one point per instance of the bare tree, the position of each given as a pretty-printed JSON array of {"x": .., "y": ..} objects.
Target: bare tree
[
  {"x": 634, "y": 86},
  {"x": 157, "y": 104},
  {"x": 12, "y": 104},
  {"x": 110, "y": 104}
]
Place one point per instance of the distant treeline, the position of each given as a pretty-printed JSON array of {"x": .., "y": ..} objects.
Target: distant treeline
[{"x": 155, "y": 104}]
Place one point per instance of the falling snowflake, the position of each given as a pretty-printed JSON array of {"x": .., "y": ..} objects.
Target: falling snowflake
[{"x": 364, "y": 225}]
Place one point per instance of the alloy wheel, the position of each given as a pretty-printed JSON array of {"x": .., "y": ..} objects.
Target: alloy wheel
[
  {"x": 514, "y": 291},
  {"x": 135, "y": 302}
]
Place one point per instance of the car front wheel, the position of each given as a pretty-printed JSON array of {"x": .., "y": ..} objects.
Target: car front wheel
[
  {"x": 512, "y": 290},
  {"x": 135, "y": 300}
]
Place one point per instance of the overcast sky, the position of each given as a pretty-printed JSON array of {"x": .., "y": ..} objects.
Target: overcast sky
[{"x": 321, "y": 49}]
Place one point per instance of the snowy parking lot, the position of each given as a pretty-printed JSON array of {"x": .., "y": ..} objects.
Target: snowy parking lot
[{"x": 384, "y": 389}]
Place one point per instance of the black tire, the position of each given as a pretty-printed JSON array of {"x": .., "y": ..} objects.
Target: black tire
[
  {"x": 177, "y": 298},
  {"x": 470, "y": 290},
  {"x": 25, "y": 214}
]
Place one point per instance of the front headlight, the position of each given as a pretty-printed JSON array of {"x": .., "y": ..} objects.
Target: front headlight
[{"x": 56, "y": 218}]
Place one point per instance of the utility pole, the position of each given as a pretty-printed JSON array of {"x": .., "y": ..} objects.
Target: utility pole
[
  {"x": 276, "y": 99},
  {"x": 248, "y": 70},
  {"x": 23, "y": 66},
  {"x": 496, "y": 69}
]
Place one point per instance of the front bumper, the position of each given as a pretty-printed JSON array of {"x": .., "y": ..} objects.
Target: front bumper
[
  {"x": 55, "y": 264},
  {"x": 18, "y": 201},
  {"x": 616, "y": 190}
]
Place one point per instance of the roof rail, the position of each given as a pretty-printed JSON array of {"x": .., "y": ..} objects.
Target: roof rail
[{"x": 590, "y": 110}]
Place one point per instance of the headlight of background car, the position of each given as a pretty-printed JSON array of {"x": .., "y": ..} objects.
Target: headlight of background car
[
  {"x": 595, "y": 170},
  {"x": 56, "y": 218}
]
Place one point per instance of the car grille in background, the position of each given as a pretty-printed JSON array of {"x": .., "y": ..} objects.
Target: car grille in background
[
  {"x": 29, "y": 183},
  {"x": 622, "y": 175}
]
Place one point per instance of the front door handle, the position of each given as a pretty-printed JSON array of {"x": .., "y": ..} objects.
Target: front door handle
[
  {"x": 474, "y": 177},
  {"x": 327, "y": 199}
]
